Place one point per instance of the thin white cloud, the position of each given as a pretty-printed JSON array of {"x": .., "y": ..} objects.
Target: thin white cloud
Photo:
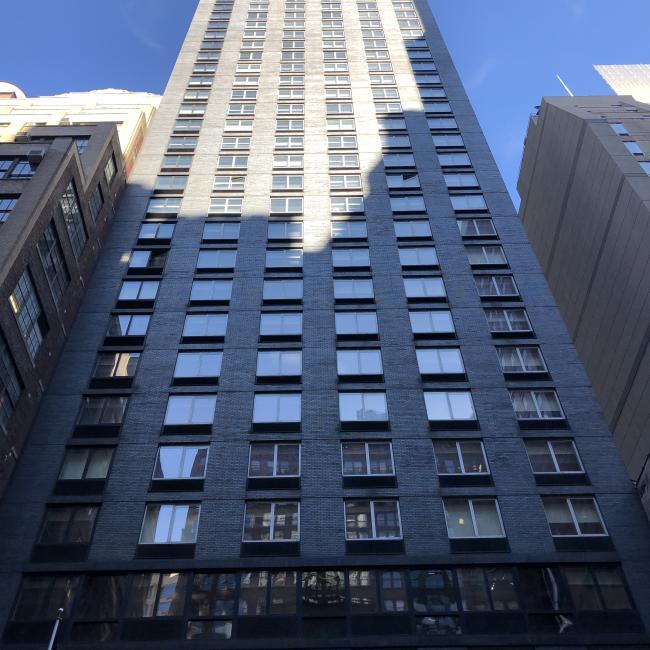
[
  {"x": 480, "y": 75},
  {"x": 131, "y": 16}
]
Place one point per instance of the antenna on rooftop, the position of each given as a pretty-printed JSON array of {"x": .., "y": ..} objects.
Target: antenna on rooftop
[{"x": 564, "y": 85}]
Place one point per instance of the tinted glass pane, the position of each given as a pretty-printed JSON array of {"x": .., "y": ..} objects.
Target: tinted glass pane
[
  {"x": 472, "y": 589},
  {"x": 323, "y": 592},
  {"x": 363, "y": 591},
  {"x": 433, "y": 590}
]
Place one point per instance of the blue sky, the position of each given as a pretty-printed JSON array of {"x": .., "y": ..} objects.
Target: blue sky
[{"x": 506, "y": 51}]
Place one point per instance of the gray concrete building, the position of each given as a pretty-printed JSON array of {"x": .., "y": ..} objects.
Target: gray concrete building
[
  {"x": 585, "y": 189},
  {"x": 319, "y": 394},
  {"x": 58, "y": 190}
]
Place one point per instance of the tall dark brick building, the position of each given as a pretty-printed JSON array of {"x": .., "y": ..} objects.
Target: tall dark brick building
[{"x": 318, "y": 394}]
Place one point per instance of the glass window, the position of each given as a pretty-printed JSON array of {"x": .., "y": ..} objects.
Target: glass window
[
  {"x": 407, "y": 180},
  {"x": 128, "y": 325},
  {"x": 483, "y": 227},
  {"x": 619, "y": 128},
  {"x": 190, "y": 409},
  {"x": 225, "y": 205},
  {"x": 102, "y": 410},
  {"x": 220, "y": 231},
  {"x": 270, "y": 408},
  {"x": 110, "y": 169},
  {"x": 138, "y": 290},
  {"x": 27, "y": 309},
  {"x": 286, "y": 205},
  {"x": 536, "y": 405},
  {"x": 468, "y": 518},
  {"x": 346, "y": 204},
  {"x": 645, "y": 166},
  {"x": 177, "y": 162},
  {"x": 480, "y": 255},
  {"x": 440, "y": 361},
  {"x": 116, "y": 364},
  {"x": 96, "y": 201},
  {"x": 349, "y": 230},
  {"x": 281, "y": 324},
  {"x": 287, "y": 182},
  {"x": 418, "y": 256},
  {"x": 358, "y": 362},
  {"x": 271, "y": 521},
  {"x": 7, "y": 204},
  {"x": 634, "y": 148},
  {"x": 612, "y": 587},
  {"x": 424, "y": 288},
  {"x": 323, "y": 592},
  {"x": 282, "y": 290},
  {"x": 468, "y": 202},
  {"x": 521, "y": 358},
  {"x": 400, "y": 204},
  {"x": 164, "y": 205},
  {"x": 170, "y": 523},
  {"x": 285, "y": 230},
  {"x": 350, "y": 258},
  {"x": 460, "y": 457},
  {"x": 279, "y": 363},
  {"x": 68, "y": 524},
  {"x": 508, "y": 320},
  {"x": 398, "y": 160},
  {"x": 156, "y": 231},
  {"x": 286, "y": 161},
  {"x": 10, "y": 384},
  {"x": 284, "y": 259},
  {"x": 211, "y": 290},
  {"x": 461, "y": 180},
  {"x": 363, "y": 407},
  {"x": 367, "y": 459},
  {"x": 213, "y": 594},
  {"x": 214, "y": 259},
  {"x": 345, "y": 182},
  {"x": 493, "y": 286},
  {"x": 40, "y": 597},
  {"x": 232, "y": 162},
  {"x": 171, "y": 183},
  {"x": 273, "y": 459},
  {"x": 181, "y": 462},
  {"x": 198, "y": 365},
  {"x": 573, "y": 516},
  {"x": 449, "y": 405},
  {"x": 438, "y": 322},
  {"x": 343, "y": 161},
  {"x": 372, "y": 520},
  {"x": 356, "y": 323},
  {"x": 353, "y": 289},
  {"x": 553, "y": 456},
  {"x": 73, "y": 219},
  {"x": 228, "y": 183},
  {"x": 433, "y": 590},
  {"x": 147, "y": 259},
  {"x": 85, "y": 463},
  {"x": 205, "y": 325}
]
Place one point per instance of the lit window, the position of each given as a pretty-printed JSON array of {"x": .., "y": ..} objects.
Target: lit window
[
  {"x": 115, "y": 365},
  {"x": 460, "y": 457},
  {"x": 471, "y": 518},
  {"x": 27, "y": 308}
]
